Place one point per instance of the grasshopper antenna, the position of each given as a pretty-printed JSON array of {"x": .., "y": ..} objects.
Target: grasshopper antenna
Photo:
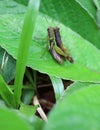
[{"x": 51, "y": 23}]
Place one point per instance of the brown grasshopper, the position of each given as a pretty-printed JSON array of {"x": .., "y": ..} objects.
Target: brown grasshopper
[{"x": 56, "y": 47}]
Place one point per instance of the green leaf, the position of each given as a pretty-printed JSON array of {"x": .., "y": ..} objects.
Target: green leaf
[
  {"x": 86, "y": 57},
  {"x": 10, "y": 120},
  {"x": 76, "y": 86},
  {"x": 7, "y": 65},
  {"x": 9, "y": 7},
  {"x": 27, "y": 113},
  {"x": 28, "y": 110},
  {"x": 37, "y": 123},
  {"x": 81, "y": 17},
  {"x": 86, "y": 61},
  {"x": 97, "y": 4},
  {"x": 28, "y": 95},
  {"x": 57, "y": 86},
  {"x": 6, "y": 93},
  {"x": 77, "y": 111},
  {"x": 24, "y": 2}
]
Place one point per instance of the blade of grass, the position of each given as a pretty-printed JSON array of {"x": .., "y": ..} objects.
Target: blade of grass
[
  {"x": 58, "y": 86},
  {"x": 6, "y": 93},
  {"x": 25, "y": 41},
  {"x": 30, "y": 78}
]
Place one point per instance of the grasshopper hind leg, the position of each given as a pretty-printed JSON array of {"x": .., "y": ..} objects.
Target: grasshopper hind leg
[{"x": 56, "y": 56}]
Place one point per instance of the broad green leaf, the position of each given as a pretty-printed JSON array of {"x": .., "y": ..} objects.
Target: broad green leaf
[
  {"x": 79, "y": 15},
  {"x": 77, "y": 111},
  {"x": 27, "y": 113},
  {"x": 37, "y": 123},
  {"x": 10, "y": 120},
  {"x": 86, "y": 57},
  {"x": 34, "y": 121},
  {"x": 24, "y": 2},
  {"x": 88, "y": 6},
  {"x": 6, "y": 93},
  {"x": 82, "y": 15},
  {"x": 74, "y": 87},
  {"x": 57, "y": 86},
  {"x": 7, "y": 65},
  {"x": 10, "y": 6}
]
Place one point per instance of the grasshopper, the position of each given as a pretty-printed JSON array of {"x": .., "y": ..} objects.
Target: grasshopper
[
  {"x": 56, "y": 47},
  {"x": 52, "y": 44}
]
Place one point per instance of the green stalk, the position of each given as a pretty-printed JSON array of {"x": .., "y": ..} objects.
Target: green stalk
[
  {"x": 32, "y": 81},
  {"x": 24, "y": 45},
  {"x": 6, "y": 93},
  {"x": 57, "y": 86}
]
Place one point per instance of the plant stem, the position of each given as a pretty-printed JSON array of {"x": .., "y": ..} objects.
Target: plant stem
[{"x": 24, "y": 45}]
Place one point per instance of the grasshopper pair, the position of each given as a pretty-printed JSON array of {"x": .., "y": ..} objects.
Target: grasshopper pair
[{"x": 56, "y": 47}]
